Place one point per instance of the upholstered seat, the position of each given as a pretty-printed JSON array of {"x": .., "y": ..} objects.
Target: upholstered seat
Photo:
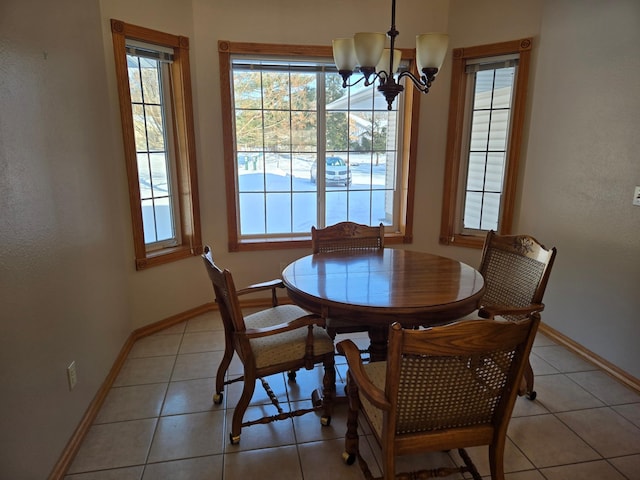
[
  {"x": 441, "y": 388},
  {"x": 279, "y": 339}
]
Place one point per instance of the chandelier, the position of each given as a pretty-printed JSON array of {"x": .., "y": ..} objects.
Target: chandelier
[{"x": 367, "y": 50}]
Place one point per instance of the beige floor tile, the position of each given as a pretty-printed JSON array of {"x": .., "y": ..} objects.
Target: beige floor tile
[
  {"x": 525, "y": 407},
  {"x": 206, "y": 321},
  {"x": 631, "y": 412},
  {"x": 526, "y": 475},
  {"x": 114, "y": 445},
  {"x": 132, "y": 403},
  {"x": 606, "y": 388},
  {"x": 558, "y": 393},
  {"x": 196, "y": 365},
  {"x": 128, "y": 473},
  {"x": 563, "y": 359},
  {"x": 542, "y": 340},
  {"x": 629, "y": 466},
  {"x": 138, "y": 371},
  {"x": 323, "y": 460},
  {"x": 540, "y": 366},
  {"x": 260, "y": 396},
  {"x": 156, "y": 345},
  {"x": 274, "y": 434},
  {"x": 428, "y": 461},
  {"x": 190, "y": 396},
  {"x": 308, "y": 427},
  {"x": 609, "y": 433},
  {"x": 206, "y": 341},
  {"x": 546, "y": 441},
  {"x": 514, "y": 459},
  {"x": 177, "y": 328},
  {"x": 201, "y": 468},
  {"x": 264, "y": 464},
  {"x": 185, "y": 436},
  {"x": 599, "y": 470}
]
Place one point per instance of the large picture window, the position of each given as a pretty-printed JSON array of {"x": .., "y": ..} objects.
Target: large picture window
[
  {"x": 302, "y": 151},
  {"x": 488, "y": 96}
]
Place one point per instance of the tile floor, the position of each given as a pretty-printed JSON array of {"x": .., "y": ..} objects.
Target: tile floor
[{"x": 158, "y": 422}]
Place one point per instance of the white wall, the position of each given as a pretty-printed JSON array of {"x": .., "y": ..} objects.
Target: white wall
[
  {"x": 63, "y": 292},
  {"x": 583, "y": 163}
]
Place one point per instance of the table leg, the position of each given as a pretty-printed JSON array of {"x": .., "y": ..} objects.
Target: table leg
[{"x": 378, "y": 338}]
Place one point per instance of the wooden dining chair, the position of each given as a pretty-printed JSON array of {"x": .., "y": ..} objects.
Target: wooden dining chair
[
  {"x": 348, "y": 236},
  {"x": 516, "y": 270},
  {"x": 442, "y": 388},
  {"x": 352, "y": 237},
  {"x": 283, "y": 338}
]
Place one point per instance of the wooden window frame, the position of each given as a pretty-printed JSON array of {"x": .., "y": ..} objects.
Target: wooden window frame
[
  {"x": 453, "y": 181},
  {"x": 409, "y": 96},
  {"x": 185, "y": 151}
]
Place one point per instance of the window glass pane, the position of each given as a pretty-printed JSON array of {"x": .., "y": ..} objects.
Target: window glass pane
[
  {"x": 359, "y": 207},
  {"x": 139, "y": 130},
  {"x": 249, "y": 130},
  {"x": 472, "y": 210},
  {"x": 304, "y": 211},
  {"x": 490, "y": 211},
  {"x": 503, "y": 89},
  {"x": 479, "y": 130},
  {"x": 336, "y": 209},
  {"x": 135, "y": 84},
  {"x": 159, "y": 176},
  {"x": 337, "y": 132},
  {"x": 163, "y": 218},
  {"x": 303, "y": 91},
  {"x": 278, "y": 212},
  {"x": 250, "y": 178},
  {"x": 277, "y": 133},
  {"x": 252, "y": 213},
  {"x": 155, "y": 127},
  {"x": 144, "y": 175},
  {"x": 495, "y": 171},
  {"x": 476, "y": 171},
  {"x": 277, "y": 174},
  {"x": 304, "y": 133},
  {"x": 150, "y": 73},
  {"x": 148, "y": 221},
  {"x": 484, "y": 89},
  {"x": 247, "y": 90},
  {"x": 275, "y": 90},
  {"x": 499, "y": 130}
]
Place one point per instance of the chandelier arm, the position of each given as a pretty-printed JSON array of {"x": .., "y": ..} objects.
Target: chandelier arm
[{"x": 423, "y": 83}]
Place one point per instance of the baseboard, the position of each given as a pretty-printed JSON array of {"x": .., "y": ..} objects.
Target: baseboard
[
  {"x": 72, "y": 447},
  {"x": 619, "y": 374}
]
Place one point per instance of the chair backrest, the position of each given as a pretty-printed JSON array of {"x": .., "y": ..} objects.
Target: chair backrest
[
  {"x": 516, "y": 269},
  {"x": 347, "y": 236},
  {"x": 226, "y": 295},
  {"x": 458, "y": 377}
]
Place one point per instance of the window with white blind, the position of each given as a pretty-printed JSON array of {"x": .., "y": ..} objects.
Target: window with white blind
[
  {"x": 485, "y": 127},
  {"x": 302, "y": 151}
]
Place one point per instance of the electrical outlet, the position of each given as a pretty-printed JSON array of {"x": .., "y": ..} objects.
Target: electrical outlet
[
  {"x": 636, "y": 197},
  {"x": 72, "y": 375}
]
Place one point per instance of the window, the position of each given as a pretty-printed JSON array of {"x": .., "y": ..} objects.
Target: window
[
  {"x": 300, "y": 150},
  {"x": 154, "y": 88},
  {"x": 486, "y": 114}
]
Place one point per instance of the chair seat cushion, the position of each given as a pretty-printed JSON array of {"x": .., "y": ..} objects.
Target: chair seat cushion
[
  {"x": 287, "y": 346},
  {"x": 377, "y": 372}
]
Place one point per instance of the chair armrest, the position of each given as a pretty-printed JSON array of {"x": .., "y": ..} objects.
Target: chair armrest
[
  {"x": 360, "y": 377},
  {"x": 490, "y": 311},
  {"x": 259, "y": 287},
  {"x": 311, "y": 319},
  {"x": 262, "y": 286}
]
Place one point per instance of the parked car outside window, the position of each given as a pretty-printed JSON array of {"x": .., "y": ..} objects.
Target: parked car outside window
[{"x": 336, "y": 172}]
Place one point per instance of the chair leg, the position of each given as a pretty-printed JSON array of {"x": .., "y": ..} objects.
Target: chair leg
[
  {"x": 496, "y": 460},
  {"x": 528, "y": 379},
  {"x": 236, "y": 423},
  {"x": 351, "y": 440},
  {"x": 222, "y": 373},
  {"x": 328, "y": 389}
]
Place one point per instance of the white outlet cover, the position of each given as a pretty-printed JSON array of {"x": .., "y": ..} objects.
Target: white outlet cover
[{"x": 636, "y": 197}]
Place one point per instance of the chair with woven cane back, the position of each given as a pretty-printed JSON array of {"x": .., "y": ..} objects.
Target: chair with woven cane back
[
  {"x": 442, "y": 388},
  {"x": 279, "y": 339},
  {"x": 352, "y": 237},
  {"x": 516, "y": 271}
]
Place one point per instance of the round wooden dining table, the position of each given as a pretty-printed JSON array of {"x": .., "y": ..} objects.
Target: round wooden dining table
[{"x": 378, "y": 288}]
